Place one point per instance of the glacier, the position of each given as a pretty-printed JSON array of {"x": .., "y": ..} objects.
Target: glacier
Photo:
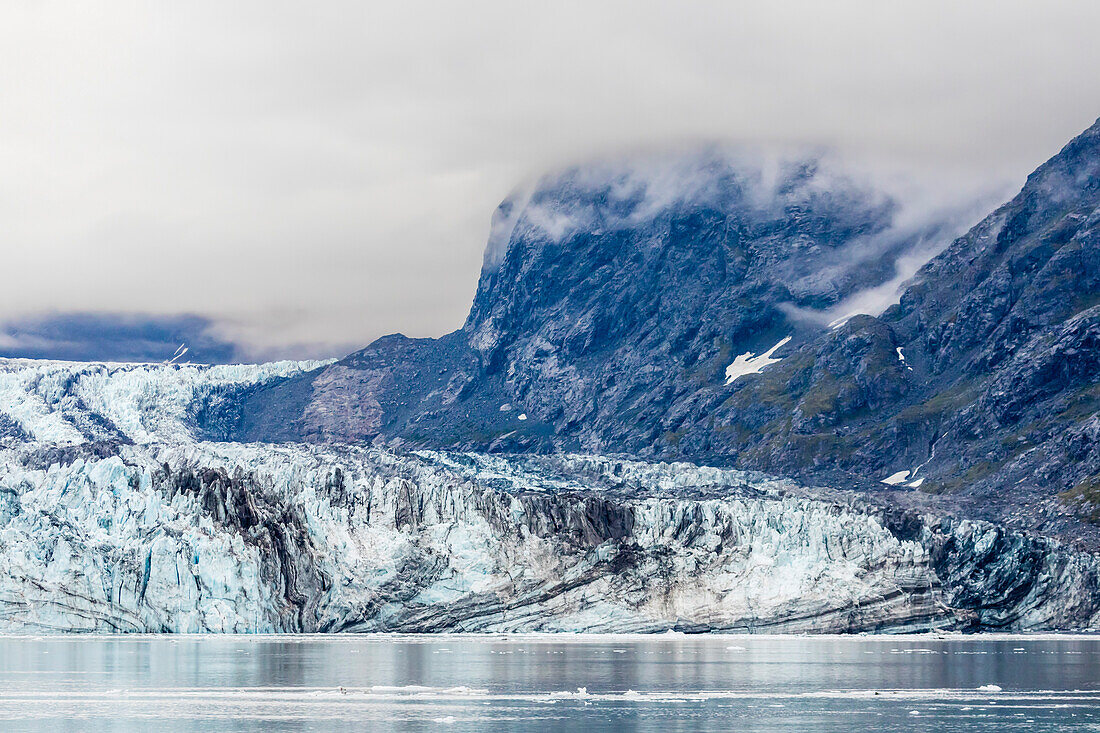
[
  {"x": 75, "y": 402},
  {"x": 116, "y": 515}
]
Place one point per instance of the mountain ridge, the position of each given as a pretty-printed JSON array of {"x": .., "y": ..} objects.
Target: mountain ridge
[
  {"x": 608, "y": 323},
  {"x": 939, "y": 459}
]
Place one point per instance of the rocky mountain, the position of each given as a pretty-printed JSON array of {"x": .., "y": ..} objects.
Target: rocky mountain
[
  {"x": 612, "y": 299},
  {"x": 596, "y": 449},
  {"x": 115, "y": 517},
  {"x": 981, "y": 383},
  {"x": 683, "y": 312}
]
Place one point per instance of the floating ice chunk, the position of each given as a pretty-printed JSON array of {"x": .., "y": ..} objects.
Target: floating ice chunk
[
  {"x": 465, "y": 690},
  {"x": 990, "y": 688},
  {"x": 914, "y": 713},
  {"x": 399, "y": 689},
  {"x": 750, "y": 363},
  {"x": 735, "y": 649},
  {"x": 896, "y": 478},
  {"x": 523, "y": 416},
  {"x": 506, "y": 407}
]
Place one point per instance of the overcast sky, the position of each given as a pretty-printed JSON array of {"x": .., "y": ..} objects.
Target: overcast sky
[{"x": 311, "y": 175}]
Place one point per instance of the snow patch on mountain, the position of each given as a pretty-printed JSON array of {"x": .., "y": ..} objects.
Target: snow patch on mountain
[
  {"x": 896, "y": 478},
  {"x": 750, "y": 363}
]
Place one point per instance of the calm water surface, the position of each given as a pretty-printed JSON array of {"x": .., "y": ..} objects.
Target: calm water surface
[{"x": 549, "y": 683}]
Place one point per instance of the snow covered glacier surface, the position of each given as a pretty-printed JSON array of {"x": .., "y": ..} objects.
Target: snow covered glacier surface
[
  {"x": 69, "y": 403},
  {"x": 114, "y": 517}
]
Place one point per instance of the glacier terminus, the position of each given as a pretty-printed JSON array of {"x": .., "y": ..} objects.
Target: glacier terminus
[{"x": 116, "y": 516}]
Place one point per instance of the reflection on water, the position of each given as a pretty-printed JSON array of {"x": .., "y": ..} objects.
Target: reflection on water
[{"x": 549, "y": 683}]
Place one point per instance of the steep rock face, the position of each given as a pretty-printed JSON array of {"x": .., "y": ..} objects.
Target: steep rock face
[
  {"x": 223, "y": 537},
  {"x": 612, "y": 299},
  {"x": 993, "y": 395},
  {"x": 611, "y": 307}
]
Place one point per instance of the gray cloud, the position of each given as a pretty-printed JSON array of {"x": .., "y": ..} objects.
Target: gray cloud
[
  {"x": 310, "y": 176},
  {"x": 113, "y": 337}
]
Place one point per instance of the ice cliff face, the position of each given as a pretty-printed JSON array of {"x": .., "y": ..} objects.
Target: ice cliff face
[{"x": 193, "y": 536}]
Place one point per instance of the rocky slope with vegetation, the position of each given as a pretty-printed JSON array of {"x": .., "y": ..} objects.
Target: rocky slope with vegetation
[{"x": 629, "y": 313}]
